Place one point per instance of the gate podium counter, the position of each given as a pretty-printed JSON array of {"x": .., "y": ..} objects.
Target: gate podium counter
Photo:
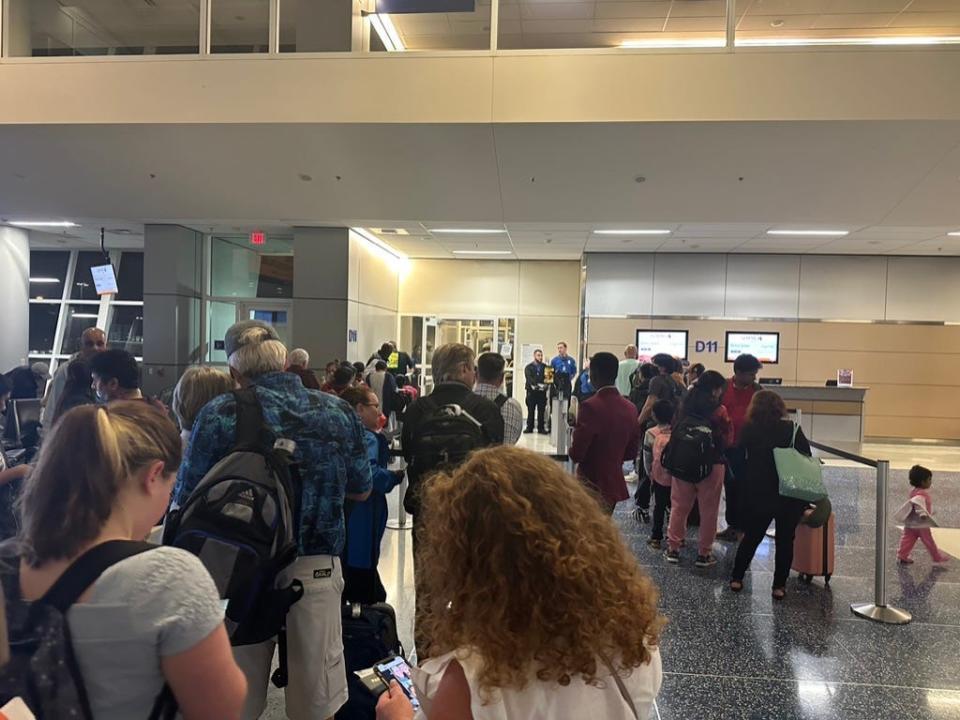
[{"x": 829, "y": 415}]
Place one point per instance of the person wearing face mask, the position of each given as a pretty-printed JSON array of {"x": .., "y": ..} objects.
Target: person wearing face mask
[
  {"x": 367, "y": 520},
  {"x": 490, "y": 374}
]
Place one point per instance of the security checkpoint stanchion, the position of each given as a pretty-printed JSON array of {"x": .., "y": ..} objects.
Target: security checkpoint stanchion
[{"x": 400, "y": 522}]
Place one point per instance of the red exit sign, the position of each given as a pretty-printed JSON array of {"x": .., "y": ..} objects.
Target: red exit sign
[{"x": 257, "y": 238}]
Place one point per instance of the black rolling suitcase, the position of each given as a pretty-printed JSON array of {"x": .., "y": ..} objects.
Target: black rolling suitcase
[{"x": 369, "y": 635}]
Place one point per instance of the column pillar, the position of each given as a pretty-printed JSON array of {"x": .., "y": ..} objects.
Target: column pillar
[
  {"x": 328, "y": 26},
  {"x": 321, "y": 272},
  {"x": 172, "y": 297},
  {"x": 14, "y": 297},
  {"x": 17, "y": 24}
]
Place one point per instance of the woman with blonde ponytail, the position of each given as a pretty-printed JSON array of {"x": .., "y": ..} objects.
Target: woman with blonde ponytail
[{"x": 105, "y": 474}]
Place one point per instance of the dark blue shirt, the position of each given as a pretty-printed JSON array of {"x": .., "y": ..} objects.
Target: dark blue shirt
[{"x": 331, "y": 451}]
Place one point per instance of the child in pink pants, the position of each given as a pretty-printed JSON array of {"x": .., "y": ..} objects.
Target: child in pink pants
[
  {"x": 682, "y": 496},
  {"x": 921, "y": 479}
]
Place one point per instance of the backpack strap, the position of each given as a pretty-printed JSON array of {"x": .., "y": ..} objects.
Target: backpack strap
[
  {"x": 500, "y": 401},
  {"x": 249, "y": 418},
  {"x": 85, "y": 570}
]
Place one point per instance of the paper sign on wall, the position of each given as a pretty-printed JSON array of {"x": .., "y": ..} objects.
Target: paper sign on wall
[{"x": 526, "y": 353}]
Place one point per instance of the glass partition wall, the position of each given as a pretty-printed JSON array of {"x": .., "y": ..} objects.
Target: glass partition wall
[{"x": 52, "y": 28}]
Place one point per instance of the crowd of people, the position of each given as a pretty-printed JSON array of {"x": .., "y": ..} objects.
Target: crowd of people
[{"x": 496, "y": 533}]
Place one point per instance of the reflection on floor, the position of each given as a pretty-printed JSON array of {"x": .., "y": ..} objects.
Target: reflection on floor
[{"x": 741, "y": 656}]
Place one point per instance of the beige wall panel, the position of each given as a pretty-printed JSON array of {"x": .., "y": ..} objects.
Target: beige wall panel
[
  {"x": 914, "y": 401},
  {"x": 891, "y": 338},
  {"x": 549, "y": 288},
  {"x": 378, "y": 278},
  {"x": 614, "y": 331},
  {"x": 869, "y": 368},
  {"x": 895, "y": 427},
  {"x": 460, "y": 287}
]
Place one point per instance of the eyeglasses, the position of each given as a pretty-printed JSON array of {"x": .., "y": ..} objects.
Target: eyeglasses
[{"x": 373, "y": 405}]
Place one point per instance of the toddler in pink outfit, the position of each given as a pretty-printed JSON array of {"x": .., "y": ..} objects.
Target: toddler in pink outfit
[{"x": 921, "y": 479}]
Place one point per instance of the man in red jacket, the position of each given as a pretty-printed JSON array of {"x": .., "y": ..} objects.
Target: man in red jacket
[
  {"x": 606, "y": 435},
  {"x": 736, "y": 399}
]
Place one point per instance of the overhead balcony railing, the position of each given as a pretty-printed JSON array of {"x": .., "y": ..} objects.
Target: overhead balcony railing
[{"x": 125, "y": 28}]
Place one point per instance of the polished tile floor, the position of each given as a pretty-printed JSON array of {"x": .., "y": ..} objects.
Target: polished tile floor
[{"x": 730, "y": 656}]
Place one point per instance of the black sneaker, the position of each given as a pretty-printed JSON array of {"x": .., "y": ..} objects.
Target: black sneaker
[
  {"x": 528, "y": 431},
  {"x": 672, "y": 556},
  {"x": 705, "y": 561},
  {"x": 654, "y": 543},
  {"x": 644, "y": 516}
]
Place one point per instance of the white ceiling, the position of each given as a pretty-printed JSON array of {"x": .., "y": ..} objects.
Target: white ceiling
[{"x": 894, "y": 185}]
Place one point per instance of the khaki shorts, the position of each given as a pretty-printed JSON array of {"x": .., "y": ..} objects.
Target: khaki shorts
[{"x": 318, "y": 679}]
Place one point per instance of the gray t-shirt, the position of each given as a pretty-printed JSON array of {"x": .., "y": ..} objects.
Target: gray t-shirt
[{"x": 153, "y": 605}]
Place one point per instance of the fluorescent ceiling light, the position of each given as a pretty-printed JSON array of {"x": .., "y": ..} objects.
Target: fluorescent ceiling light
[
  {"x": 374, "y": 240},
  {"x": 44, "y": 280},
  {"x": 93, "y": 316},
  {"x": 675, "y": 43},
  {"x": 632, "y": 232},
  {"x": 954, "y": 234},
  {"x": 43, "y": 223},
  {"x": 800, "y": 42},
  {"x": 810, "y": 233},
  {"x": 467, "y": 231},
  {"x": 389, "y": 36},
  {"x": 483, "y": 252}
]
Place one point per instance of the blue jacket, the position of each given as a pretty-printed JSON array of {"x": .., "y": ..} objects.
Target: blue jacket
[
  {"x": 566, "y": 366},
  {"x": 367, "y": 520}
]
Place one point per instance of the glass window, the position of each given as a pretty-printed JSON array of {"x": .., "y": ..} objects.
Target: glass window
[
  {"x": 466, "y": 26},
  {"x": 95, "y": 27},
  {"x": 126, "y": 329},
  {"x": 802, "y": 21},
  {"x": 220, "y": 316},
  {"x": 533, "y": 24},
  {"x": 43, "y": 327},
  {"x": 79, "y": 318},
  {"x": 312, "y": 26},
  {"x": 130, "y": 276},
  {"x": 241, "y": 26},
  {"x": 48, "y": 272},
  {"x": 242, "y": 270},
  {"x": 83, "y": 288}
]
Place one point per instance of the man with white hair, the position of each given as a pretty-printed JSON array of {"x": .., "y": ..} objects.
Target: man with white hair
[
  {"x": 332, "y": 456},
  {"x": 298, "y": 363}
]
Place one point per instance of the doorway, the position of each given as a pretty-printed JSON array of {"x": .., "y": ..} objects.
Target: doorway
[{"x": 425, "y": 333}]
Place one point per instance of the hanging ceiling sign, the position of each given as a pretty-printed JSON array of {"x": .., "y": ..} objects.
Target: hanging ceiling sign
[{"x": 401, "y": 7}]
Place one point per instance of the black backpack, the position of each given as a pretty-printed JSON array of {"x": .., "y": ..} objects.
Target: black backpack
[
  {"x": 241, "y": 521},
  {"x": 690, "y": 452},
  {"x": 43, "y": 670},
  {"x": 369, "y": 635}
]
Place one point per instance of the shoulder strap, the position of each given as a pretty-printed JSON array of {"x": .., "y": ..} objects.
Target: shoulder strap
[
  {"x": 249, "y": 418},
  {"x": 85, "y": 570},
  {"x": 793, "y": 439},
  {"x": 620, "y": 686},
  {"x": 500, "y": 401}
]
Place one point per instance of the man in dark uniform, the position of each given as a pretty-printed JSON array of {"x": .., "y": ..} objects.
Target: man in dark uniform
[{"x": 536, "y": 392}]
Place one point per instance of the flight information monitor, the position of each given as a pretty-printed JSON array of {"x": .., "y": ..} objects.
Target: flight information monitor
[
  {"x": 671, "y": 342},
  {"x": 765, "y": 346}
]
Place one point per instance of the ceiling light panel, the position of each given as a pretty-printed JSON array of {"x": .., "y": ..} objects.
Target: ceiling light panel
[
  {"x": 809, "y": 233},
  {"x": 634, "y": 231}
]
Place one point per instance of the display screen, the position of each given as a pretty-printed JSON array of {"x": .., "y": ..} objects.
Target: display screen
[
  {"x": 397, "y": 669},
  {"x": 765, "y": 347},
  {"x": 671, "y": 342},
  {"x": 104, "y": 279}
]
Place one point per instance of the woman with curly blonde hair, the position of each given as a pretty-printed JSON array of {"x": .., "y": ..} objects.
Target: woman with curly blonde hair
[{"x": 532, "y": 600}]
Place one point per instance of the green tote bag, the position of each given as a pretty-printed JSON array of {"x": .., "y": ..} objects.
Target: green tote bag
[{"x": 801, "y": 477}]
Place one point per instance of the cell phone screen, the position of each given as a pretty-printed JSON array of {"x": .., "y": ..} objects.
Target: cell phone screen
[{"x": 397, "y": 669}]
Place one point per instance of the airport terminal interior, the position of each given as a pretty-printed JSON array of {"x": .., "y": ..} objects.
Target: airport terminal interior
[{"x": 702, "y": 179}]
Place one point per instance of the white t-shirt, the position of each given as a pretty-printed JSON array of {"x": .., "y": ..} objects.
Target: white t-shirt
[
  {"x": 548, "y": 700},
  {"x": 152, "y": 605}
]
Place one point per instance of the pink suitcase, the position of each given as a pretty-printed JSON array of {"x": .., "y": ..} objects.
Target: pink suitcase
[{"x": 814, "y": 551}]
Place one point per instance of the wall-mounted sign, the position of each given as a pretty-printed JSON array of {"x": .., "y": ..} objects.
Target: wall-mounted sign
[
  {"x": 258, "y": 237},
  {"x": 399, "y": 7},
  {"x": 352, "y": 336},
  {"x": 765, "y": 346},
  {"x": 706, "y": 346},
  {"x": 104, "y": 279},
  {"x": 671, "y": 342},
  {"x": 526, "y": 353}
]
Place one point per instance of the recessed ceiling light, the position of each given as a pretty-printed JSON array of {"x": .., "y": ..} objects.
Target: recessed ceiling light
[
  {"x": 43, "y": 223},
  {"x": 44, "y": 280},
  {"x": 883, "y": 40},
  {"x": 483, "y": 252},
  {"x": 467, "y": 231},
  {"x": 810, "y": 233},
  {"x": 954, "y": 234},
  {"x": 632, "y": 232},
  {"x": 673, "y": 43}
]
